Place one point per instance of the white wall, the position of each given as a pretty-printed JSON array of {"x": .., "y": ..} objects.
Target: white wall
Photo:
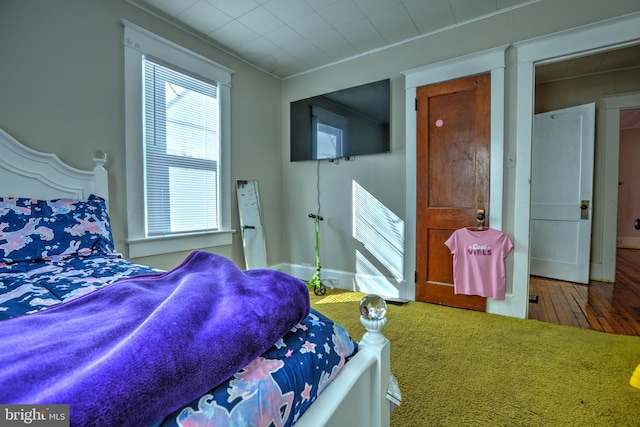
[
  {"x": 62, "y": 83},
  {"x": 384, "y": 175},
  {"x": 62, "y": 92}
]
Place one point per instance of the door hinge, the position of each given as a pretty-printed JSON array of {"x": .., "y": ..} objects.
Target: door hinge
[
  {"x": 416, "y": 104},
  {"x": 415, "y": 277}
]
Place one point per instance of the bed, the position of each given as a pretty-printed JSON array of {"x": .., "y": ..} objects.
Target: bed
[{"x": 125, "y": 344}]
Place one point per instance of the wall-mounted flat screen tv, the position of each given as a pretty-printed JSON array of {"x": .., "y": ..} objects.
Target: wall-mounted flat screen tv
[{"x": 342, "y": 124}]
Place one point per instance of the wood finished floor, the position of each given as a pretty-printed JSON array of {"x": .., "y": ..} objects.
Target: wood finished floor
[{"x": 607, "y": 307}]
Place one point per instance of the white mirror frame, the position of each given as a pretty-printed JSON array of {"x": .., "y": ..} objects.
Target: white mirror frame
[{"x": 255, "y": 252}]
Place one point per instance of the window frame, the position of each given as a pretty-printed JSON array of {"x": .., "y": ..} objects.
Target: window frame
[{"x": 138, "y": 43}]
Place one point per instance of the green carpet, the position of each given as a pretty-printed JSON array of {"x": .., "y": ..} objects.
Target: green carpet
[{"x": 463, "y": 368}]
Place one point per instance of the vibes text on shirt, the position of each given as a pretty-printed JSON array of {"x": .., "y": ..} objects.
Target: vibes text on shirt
[{"x": 477, "y": 249}]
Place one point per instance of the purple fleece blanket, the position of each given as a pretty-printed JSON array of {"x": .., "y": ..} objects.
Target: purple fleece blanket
[{"x": 140, "y": 348}]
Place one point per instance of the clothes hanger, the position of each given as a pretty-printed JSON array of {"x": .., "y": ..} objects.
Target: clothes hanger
[{"x": 478, "y": 227}]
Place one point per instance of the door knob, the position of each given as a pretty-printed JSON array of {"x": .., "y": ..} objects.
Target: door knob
[
  {"x": 584, "y": 209},
  {"x": 480, "y": 216},
  {"x": 636, "y": 224}
]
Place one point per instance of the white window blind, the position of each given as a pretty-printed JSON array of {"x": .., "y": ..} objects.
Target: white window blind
[{"x": 182, "y": 151}]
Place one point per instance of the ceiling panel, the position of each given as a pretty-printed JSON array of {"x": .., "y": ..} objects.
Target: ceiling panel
[
  {"x": 271, "y": 34},
  {"x": 626, "y": 58},
  {"x": 289, "y": 37},
  {"x": 603, "y": 62}
]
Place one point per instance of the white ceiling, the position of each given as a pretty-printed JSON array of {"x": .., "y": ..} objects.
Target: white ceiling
[
  {"x": 626, "y": 58},
  {"x": 616, "y": 59},
  {"x": 289, "y": 37}
]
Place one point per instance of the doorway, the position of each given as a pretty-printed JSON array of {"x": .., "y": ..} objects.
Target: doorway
[
  {"x": 628, "y": 219},
  {"x": 600, "y": 37},
  {"x": 491, "y": 61},
  {"x": 561, "y": 82},
  {"x": 453, "y": 164},
  {"x": 607, "y": 307}
]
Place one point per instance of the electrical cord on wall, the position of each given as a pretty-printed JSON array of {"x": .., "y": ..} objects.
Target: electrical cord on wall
[{"x": 318, "y": 187}]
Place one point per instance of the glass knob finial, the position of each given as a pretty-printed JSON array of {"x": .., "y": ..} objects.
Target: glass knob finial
[
  {"x": 99, "y": 154},
  {"x": 373, "y": 307}
]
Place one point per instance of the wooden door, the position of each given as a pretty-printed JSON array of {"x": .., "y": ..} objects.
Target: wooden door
[{"x": 453, "y": 150}]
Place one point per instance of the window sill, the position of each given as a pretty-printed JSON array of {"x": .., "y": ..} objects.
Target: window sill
[{"x": 179, "y": 242}]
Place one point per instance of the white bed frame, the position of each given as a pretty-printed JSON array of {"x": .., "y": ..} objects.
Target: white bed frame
[
  {"x": 28, "y": 173},
  {"x": 357, "y": 396}
]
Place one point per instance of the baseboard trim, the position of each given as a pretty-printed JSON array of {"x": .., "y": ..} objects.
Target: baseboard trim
[{"x": 337, "y": 279}]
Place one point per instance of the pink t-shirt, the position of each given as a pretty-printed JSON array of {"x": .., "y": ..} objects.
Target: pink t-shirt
[{"x": 478, "y": 261}]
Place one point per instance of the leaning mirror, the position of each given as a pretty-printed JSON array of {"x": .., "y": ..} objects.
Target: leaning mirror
[{"x": 255, "y": 253}]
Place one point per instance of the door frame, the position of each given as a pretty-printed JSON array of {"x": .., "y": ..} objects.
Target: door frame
[
  {"x": 589, "y": 39},
  {"x": 488, "y": 61}
]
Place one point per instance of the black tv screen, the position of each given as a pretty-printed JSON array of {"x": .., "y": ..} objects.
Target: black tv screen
[{"x": 342, "y": 124}]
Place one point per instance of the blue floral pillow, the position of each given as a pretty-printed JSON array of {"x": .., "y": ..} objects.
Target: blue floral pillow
[
  {"x": 19, "y": 227},
  {"x": 54, "y": 229}
]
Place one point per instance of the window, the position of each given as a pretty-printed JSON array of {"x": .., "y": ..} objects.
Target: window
[
  {"x": 328, "y": 133},
  {"x": 181, "y": 148},
  {"x": 177, "y": 135},
  {"x": 328, "y": 142}
]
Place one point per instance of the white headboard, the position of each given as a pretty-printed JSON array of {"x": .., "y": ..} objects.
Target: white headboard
[{"x": 28, "y": 173}]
